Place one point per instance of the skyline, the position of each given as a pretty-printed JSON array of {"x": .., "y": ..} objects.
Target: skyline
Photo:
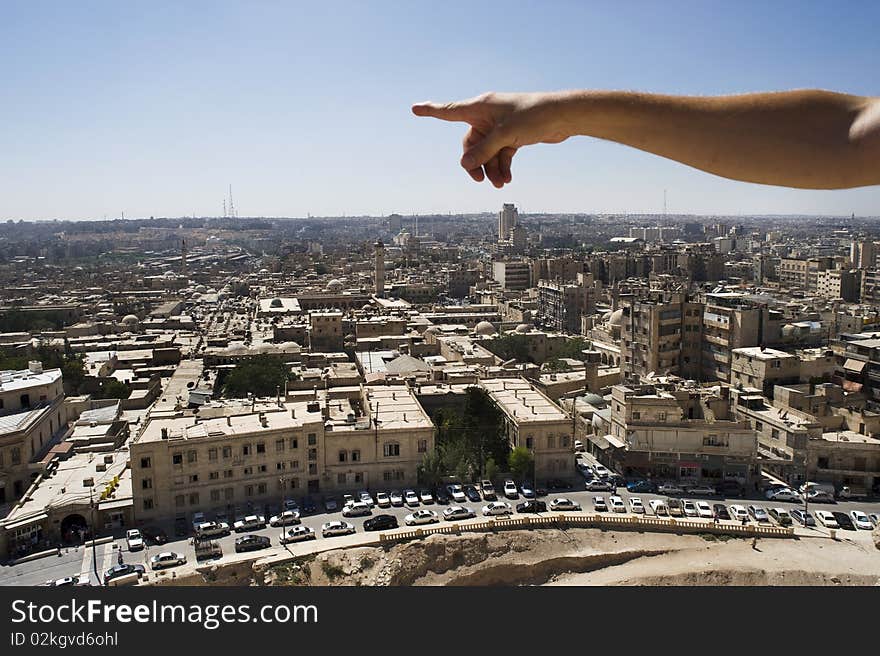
[{"x": 305, "y": 110}]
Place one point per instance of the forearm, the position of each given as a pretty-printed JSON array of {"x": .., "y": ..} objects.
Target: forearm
[{"x": 807, "y": 139}]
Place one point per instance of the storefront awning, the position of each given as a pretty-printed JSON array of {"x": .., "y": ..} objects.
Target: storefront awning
[
  {"x": 112, "y": 505},
  {"x": 615, "y": 442},
  {"x": 854, "y": 365},
  {"x": 24, "y": 522}
]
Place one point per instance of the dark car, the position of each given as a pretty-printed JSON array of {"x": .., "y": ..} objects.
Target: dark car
[
  {"x": 617, "y": 481},
  {"x": 844, "y": 521},
  {"x": 380, "y": 523},
  {"x": 471, "y": 493},
  {"x": 639, "y": 486},
  {"x": 730, "y": 489},
  {"x": 154, "y": 534},
  {"x": 540, "y": 491},
  {"x": 720, "y": 511},
  {"x": 251, "y": 543},
  {"x": 531, "y": 506},
  {"x": 308, "y": 506},
  {"x": 122, "y": 570},
  {"x": 558, "y": 484},
  {"x": 441, "y": 495},
  {"x": 181, "y": 527}
]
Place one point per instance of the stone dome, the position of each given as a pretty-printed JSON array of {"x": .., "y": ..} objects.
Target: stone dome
[
  {"x": 594, "y": 400},
  {"x": 616, "y": 318},
  {"x": 432, "y": 330},
  {"x": 524, "y": 328},
  {"x": 201, "y": 289},
  {"x": 130, "y": 320},
  {"x": 334, "y": 285},
  {"x": 484, "y": 328}
]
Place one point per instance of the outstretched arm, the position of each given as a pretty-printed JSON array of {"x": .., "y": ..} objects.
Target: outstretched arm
[{"x": 805, "y": 139}]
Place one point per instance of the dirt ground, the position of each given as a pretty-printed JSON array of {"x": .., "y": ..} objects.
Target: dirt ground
[{"x": 587, "y": 557}]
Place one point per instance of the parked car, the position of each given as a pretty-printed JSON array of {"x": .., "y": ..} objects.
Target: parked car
[
  {"x": 397, "y": 499},
  {"x": 659, "y": 507},
  {"x": 720, "y": 511},
  {"x": 290, "y": 504},
  {"x": 598, "y": 485},
  {"x": 875, "y": 518},
  {"x": 135, "y": 540},
  {"x": 599, "y": 504},
  {"x": 730, "y": 488},
  {"x": 181, "y": 528},
  {"x": 426, "y": 497},
  {"x": 411, "y": 498},
  {"x": 844, "y": 521},
  {"x": 689, "y": 508},
  {"x": 297, "y": 534},
  {"x": 366, "y": 498},
  {"x": 826, "y": 519},
  {"x": 820, "y": 496},
  {"x": 124, "y": 569},
  {"x": 198, "y": 518},
  {"x": 527, "y": 490},
  {"x": 288, "y": 517},
  {"x": 780, "y": 516},
  {"x": 167, "y": 559},
  {"x": 457, "y": 493},
  {"x": 669, "y": 488},
  {"x": 702, "y": 491},
  {"x": 331, "y": 529},
  {"x": 494, "y": 508},
  {"x": 704, "y": 510},
  {"x": 510, "y": 490},
  {"x": 250, "y": 523},
  {"x": 758, "y": 513},
  {"x": 423, "y": 516},
  {"x": 155, "y": 535},
  {"x": 601, "y": 470},
  {"x": 558, "y": 484},
  {"x": 383, "y": 500},
  {"x": 308, "y": 506},
  {"x": 739, "y": 513},
  {"x": 636, "y": 505},
  {"x": 675, "y": 507},
  {"x": 381, "y": 523},
  {"x": 640, "y": 486},
  {"x": 357, "y": 509},
  {"x": 616, "y": 504},
  {"x": 471, "y": 493},
  {"x": 578, "y": 445},
  {"x": 531, "y": 506},
  {"x": 783, "y": 494},
  {"x": 212, "y": 529},
  {"x": 488, "y": 490},
  {"x": 861, "y": 520},
  {"x": 453, "y": 513},
  {"x": 561, "y": 503},
  {"x": 251, "y": 543},
  {"x": 803, "y": 517},
  {"x": 441, "y": 494}
]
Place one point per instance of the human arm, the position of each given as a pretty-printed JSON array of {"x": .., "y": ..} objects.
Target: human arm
[{"x": 808, "y": 139}]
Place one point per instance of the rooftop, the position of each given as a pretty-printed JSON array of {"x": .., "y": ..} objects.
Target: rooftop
[{"x": 519, "y": 401}]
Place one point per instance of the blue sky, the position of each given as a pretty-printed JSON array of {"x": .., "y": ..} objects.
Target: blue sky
[{"x": 153, "y": 108}]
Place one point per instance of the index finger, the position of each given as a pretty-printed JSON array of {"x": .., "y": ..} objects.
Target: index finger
[{"x": 452, "y": 111}]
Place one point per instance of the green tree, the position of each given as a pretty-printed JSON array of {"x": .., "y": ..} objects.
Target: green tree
[
  {"x": 113, "y": 389},
  {"x": 431, "y": 470},
  {"x": 261, "y": 376},
  {"x": 520, "y": 462},
  {"x": 509, "y": 347},
  {"x": 556, "y": 366},
  {"x": 490, "y": 469}
]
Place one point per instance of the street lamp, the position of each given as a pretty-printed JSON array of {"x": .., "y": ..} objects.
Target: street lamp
[{"x": 94, "y": 546}]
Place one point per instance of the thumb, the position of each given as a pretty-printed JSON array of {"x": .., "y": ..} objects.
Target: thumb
[
  {"x": 454, "y": 111},
  {"x": 484, "y": 150}
]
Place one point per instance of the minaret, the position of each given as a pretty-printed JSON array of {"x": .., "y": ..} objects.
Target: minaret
[
  {"x": 183, "y": 257},
  {"x": 380, "y": 269}
]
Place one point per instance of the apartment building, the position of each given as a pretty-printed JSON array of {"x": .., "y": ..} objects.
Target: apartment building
[
  {"x": 729, "y": 322},
  {"x": 32, "y": 415},
  {"x": 561, "y": 306},
  {"x": 840, "y": 283},
  {"x": 763, "y": 368},
  {"x": 512, "y": 274}
]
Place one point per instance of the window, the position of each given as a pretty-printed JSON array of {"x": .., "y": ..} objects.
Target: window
[
  {"x": 343, "y": 456},
  {"x": 262, "y": 469},
  {"x": 294, "y": 465},
  {"x": 294, "y": 482},
  {"x": 294, "y": 443},
  {"x": 213, "y": 476},
  {"x": 148, "y": 503},
  {"x": 637, "y": 415},
  {"x": 340, "y": 479},
  {"x": 530, "y": 442},
  {"x": 212, "y": 454},
  {"x": 191, "y": 456},
  {"x": 246, "y": 450},
  {"x": 228, "y": 493},
  {"x": 774, "y": 434},
  {"x": 15, "y": 457},
  {"x": 146, "y": 463},
  {"x": 551, "y": 441},
  {"x": 563, "y": 441},
  {"x": 759, "y": 426},
  {"x": 177, "y": 459},
  {"x": 261, "y": 488},
  {"x": 313, "y": 469},
  {"x": 249, "y": 490},
  {"x": 228, "y": 473},
  {"x": 279, "y": 445},
  {"x": 661, "y": 416},
  {"x": 391, "y": 449},
  {"x": 147, "y": 484},
  {"x": 248, "y": 471},
  {"x": 179, "y": 500},
  {"x": 358, "y": 477},
  {"x": 215, "y": 495},
  {"x": 194, "y": 499},
  {"x": 356, "y": 456},
  {"x": 227, "y": 451},
  {"x": 261, "y": 447},
  {"x": 280, "y": 466},
  {"x": 194, "y": 478},
  {"x": 313, "y": 439},
  {"x": 423, "y": 446}
]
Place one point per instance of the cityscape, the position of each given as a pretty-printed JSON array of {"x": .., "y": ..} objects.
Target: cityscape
[{"x": 439, "y": 399}]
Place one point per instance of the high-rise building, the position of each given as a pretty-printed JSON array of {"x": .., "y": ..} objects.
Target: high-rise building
[
  {"x": 507, "y": 220},
  {"x": 380, "y": 269}
]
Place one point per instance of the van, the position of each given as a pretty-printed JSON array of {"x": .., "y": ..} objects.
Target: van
[
  {"x": 810, "y": 486},
  {"x": 674, "y": 507}
]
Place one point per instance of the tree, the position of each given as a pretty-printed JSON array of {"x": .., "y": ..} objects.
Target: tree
[
  {"x": 510, "y": 347},
  {"x": 431, "y": 469},
  {"x": 556, "y": 366},
  {"x": 520, "y": 462},
  {"x": 261, "y": 376},
  {"x": 490, "y": 469},
  {"x": 113, "y": 389}
]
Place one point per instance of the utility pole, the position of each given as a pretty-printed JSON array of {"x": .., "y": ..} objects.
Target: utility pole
[{"x": 94, "y": 547}]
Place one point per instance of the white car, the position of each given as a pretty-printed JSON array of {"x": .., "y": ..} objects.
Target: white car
[
  {"x": 426, "y": 497},
  {"x": 250, "y": 523},
  {"x": 561, "y": 503},
  {"x": 458, "y": 512},
  {"x": 134, "y": 539},
  {"x": 285, "y": 518},
  {"x": 297, "y": 534},
  {"x": 411, "y": 498},
  {"x": 659, "y": 508},
  {"x": 578, "y": 445},
  {"x": 616, "y": 504},
  {"x": 510, "y": 490},
  {"x": 636, "y": 505},
  {"x": 457, "y": 493},
  {"x": 738, "y": 513},
  {"x": 383, "y": 500},
  {"x": 601, "y": 471},
  {"x": 167, "y": 559},
  {"x": 421, "y": 517},
  {"x": 861, "y": 520},
  {"x": 366, "y": 497},
  {"x": 690, "y": 508},
  {"x": 357, "y": 509},
  {"x": 704, "y": 510},
  {"x": 827, "y": 519},
  {"x": 337, "y": 528},
  {"x": 396, "y": 499},
  {"x": 599, "y": 504},
  {"x": 212, "y": 529},
  {"x": 497, "y": 508},
  {"x": 875, "y": 518},
  {"x": 783, "y": 494}
]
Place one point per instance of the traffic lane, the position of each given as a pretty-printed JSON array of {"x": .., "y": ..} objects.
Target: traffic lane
[{"x": 37, "y": 572}]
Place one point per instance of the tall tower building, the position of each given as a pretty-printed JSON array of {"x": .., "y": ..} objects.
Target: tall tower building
[
  {"x": 380, "y": 269},
  {"x": 183, "y": 257},
  {"x": 507, "y": 220}
]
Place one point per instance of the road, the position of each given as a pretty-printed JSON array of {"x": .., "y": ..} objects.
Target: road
[{"x": 76, "y": 561}]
